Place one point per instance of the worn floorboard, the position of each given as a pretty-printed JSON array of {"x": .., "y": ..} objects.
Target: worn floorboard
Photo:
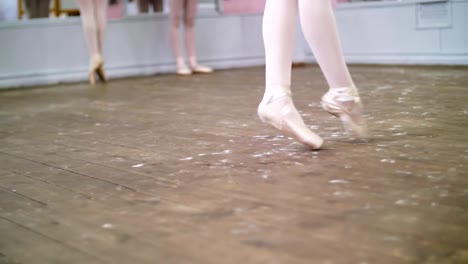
[{"x": 169, "y": 169}]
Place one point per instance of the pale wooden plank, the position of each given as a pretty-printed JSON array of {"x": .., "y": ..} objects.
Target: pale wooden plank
[{"x": 20, "y": 244}]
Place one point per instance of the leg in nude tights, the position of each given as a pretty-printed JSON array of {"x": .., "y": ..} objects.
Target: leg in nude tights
[
  {"x": 93, "y": 17},
  {"x": 186, "y": 11}
]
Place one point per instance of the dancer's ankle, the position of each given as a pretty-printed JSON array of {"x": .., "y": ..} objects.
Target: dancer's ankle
[
  {"x": 275, "y": 91},
  {"x": 193, "y": 62},
  {"x": 345, "y": 90},
  {"x": 180, "y": 63}
]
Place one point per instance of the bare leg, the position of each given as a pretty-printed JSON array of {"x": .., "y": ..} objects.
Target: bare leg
[
  {"x": 342, "y": 100},
  {"x": 277, "y": 107}
]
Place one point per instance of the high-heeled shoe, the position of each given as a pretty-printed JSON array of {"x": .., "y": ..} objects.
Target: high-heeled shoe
[
  {"x": 345, "y": 104},
  {"x": 279, "y": 111}
]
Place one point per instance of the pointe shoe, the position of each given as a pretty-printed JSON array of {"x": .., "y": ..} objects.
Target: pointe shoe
[
  {"x": 183, "y": 70},
  {"x": 201, "y": 69},
  {"x": 279, "y": 112},
  {"x": 345, "y": 104},
  {"x": 100, "y": 72},
  {"x": 96, "y": 67}
]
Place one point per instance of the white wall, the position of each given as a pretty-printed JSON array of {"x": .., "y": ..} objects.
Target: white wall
[
  {"x": 394, "y": 33},
  {"x": 52, "y": 51}
]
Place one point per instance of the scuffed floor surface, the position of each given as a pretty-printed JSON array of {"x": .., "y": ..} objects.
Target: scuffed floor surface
[{"x": 169, "y": 169}]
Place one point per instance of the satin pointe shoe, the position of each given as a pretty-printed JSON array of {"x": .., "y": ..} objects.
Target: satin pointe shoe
[
  {"x": 279, "y": 111},
  {"x": 346, "y": 105},
  {"x": 96, "y": 67},
  {"x": 201, "y": 69},
  {"x": 183, "y": 70}
]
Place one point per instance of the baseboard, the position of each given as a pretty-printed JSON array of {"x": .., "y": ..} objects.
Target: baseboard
[{"x": 121, "y": 71}]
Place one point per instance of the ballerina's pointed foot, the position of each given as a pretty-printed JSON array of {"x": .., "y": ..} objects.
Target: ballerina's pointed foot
[
  {"x": 101, "y": 74},
  {"x": 346, "y": 104},
  {"x": 96, "y": 67},
  {"x": 279, "y": 111}
]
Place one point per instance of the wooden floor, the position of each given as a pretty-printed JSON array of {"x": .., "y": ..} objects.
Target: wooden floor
[{"x": 169, "y": 169}]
